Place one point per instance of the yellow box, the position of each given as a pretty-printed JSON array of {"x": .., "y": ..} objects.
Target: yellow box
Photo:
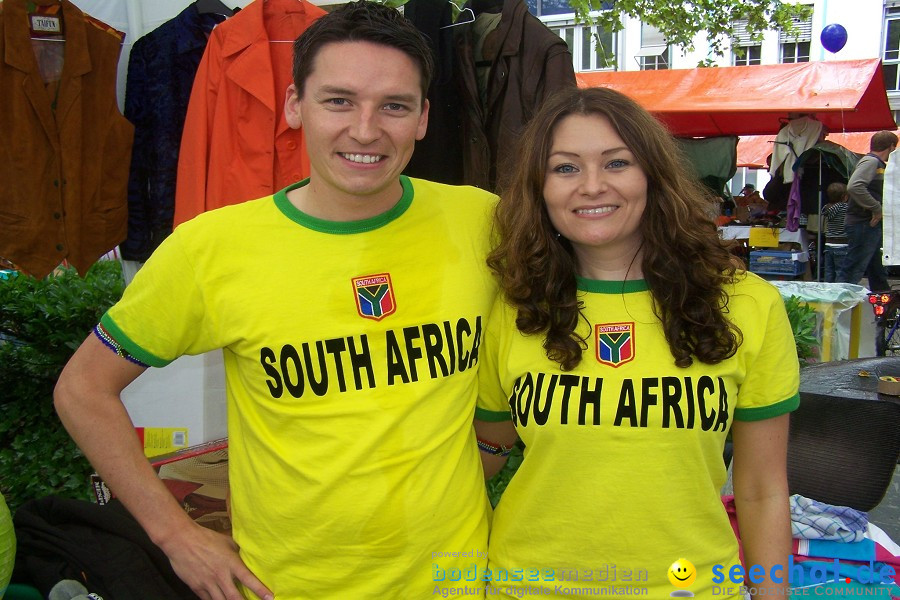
[
  {"x": 764, "y": 237},
  {"x": 162, "y": 440}
]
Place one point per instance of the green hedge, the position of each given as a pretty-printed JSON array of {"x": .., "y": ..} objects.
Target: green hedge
[{"x": 42, "y": 322}]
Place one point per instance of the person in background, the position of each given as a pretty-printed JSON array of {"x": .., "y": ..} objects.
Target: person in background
[
  {"x": 625, "y": 348},
  {"x": 863, "y": 221},
  {"x": 835, "y": 237},
  {"x": 748, "y": 190},
  {"x": 349, "y": 308}
]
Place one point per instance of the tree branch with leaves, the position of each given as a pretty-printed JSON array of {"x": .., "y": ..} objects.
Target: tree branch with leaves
[{"x": 681, "y": 22}]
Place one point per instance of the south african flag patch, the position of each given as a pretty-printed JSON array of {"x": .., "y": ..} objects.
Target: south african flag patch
[
  {"x": 374, "y": 296},
  {"x": 615, "y": 343}
]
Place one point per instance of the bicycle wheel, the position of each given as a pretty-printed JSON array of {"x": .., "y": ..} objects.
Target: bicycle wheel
[{"x": 888, "y": 332}]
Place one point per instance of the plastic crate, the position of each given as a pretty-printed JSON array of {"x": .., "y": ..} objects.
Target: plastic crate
[{"x": 775, "y": 262}]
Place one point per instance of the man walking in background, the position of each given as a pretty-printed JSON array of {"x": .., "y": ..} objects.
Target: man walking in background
[{"x": 863, "y": 222}]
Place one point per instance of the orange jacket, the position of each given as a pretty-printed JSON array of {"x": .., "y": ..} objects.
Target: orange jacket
[
  {"x": 236, "y": 145},
  {"x": 63, "y": 154}
]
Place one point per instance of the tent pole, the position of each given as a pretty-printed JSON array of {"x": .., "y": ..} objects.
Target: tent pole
[{"x": 819, "y": 228}]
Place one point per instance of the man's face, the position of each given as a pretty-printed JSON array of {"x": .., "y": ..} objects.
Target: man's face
[{"x": 361, "y": 113}]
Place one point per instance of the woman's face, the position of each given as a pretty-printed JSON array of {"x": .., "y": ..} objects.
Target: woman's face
[{"x": 594, "y": 190}]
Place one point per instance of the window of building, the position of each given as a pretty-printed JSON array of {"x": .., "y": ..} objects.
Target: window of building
[
  {"x": 592, "y": 48},
  {"x": 544, "y": 8},
  {"x": 744, "y": 50},
  {"x": 654, "y": 63},
  {"x": 891, "y": 57},
  {"x": 654, "y": 52},
  {"x": 795, "y": 52},
  {"x": 747, "y": 55},
  {"x": 795, "y": 47}
]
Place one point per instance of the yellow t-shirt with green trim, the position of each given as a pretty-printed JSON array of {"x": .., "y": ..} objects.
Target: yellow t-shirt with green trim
[
  {"x": 623, "y": 461},
  {"x": 351, "y": 352}
]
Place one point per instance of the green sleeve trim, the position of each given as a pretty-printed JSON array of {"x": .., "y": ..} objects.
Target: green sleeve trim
[
  {"x": 492, "y": 416},
  {"x": 129, "y": 345},
  {"x": 767, "y": 412}
]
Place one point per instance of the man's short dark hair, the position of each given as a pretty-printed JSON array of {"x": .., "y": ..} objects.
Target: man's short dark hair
[
  {"x": 362, "y": 21},
  {"x": 883, "y": 140}
]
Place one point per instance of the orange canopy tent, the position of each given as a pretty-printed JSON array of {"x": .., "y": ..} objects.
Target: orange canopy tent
[
  {"x": 752, "y": 150},
  {"x": 757, "y": 100}
]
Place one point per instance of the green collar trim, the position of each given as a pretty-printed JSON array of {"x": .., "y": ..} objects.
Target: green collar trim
[
  {"x": 343, "y": 227},
  {"x": 597, "y": 286}
]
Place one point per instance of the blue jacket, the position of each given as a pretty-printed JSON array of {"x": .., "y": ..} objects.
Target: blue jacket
[{"x": 161, "y": 72}]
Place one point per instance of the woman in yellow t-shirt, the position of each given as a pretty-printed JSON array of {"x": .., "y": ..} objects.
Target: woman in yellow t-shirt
[{"x": 625, "y": 349}]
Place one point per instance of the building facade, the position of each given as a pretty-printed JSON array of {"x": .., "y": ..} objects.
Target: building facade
[{"x": 873, "y": 30}]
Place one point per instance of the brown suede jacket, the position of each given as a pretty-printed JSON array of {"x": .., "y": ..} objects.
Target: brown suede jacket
[{"x": 64, "y": 148}]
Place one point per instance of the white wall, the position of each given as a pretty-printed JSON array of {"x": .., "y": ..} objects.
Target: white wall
[{"x": 135, "y": 18}]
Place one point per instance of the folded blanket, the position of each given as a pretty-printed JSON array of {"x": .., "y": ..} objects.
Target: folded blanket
[{"x": 814, "y": 520}]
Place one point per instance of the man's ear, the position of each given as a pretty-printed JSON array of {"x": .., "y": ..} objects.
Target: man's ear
[
  {"x": 292, "y": 112},
  {"x": 423, "y": 121}
]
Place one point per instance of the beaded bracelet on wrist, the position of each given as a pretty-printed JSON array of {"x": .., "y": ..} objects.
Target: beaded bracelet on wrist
[{"x": 494, "y": 449}]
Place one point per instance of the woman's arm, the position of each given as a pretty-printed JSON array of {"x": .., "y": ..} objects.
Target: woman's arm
[
  {"x": 761, "y": 499},
  {"x": 501, "y": 433}
]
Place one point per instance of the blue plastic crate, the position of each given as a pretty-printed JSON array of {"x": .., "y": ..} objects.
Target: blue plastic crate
[{"x": 775, "y": 262}]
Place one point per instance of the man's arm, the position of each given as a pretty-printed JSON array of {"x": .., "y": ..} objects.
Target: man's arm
[
  {"x": 761, "y": 498},
  {"x": 858, "y": 190},
  {"x": 87, "y": 398},
  {"x": 501, "y": 433}
]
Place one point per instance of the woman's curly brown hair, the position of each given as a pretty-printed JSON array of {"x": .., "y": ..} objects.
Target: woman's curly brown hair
[{"x": 685, "y": 263}]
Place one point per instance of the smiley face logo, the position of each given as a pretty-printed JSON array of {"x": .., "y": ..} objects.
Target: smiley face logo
[{"x": 682, "y": 573}]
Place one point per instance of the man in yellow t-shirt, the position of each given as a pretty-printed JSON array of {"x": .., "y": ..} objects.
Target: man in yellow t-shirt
[{"x": 349, "y": 308}]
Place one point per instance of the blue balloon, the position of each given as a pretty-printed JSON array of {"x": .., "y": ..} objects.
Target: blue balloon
[{"x": 833, "y": 37}]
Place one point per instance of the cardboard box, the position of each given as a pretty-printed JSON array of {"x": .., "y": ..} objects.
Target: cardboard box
[{"x": 198, "y": 478}]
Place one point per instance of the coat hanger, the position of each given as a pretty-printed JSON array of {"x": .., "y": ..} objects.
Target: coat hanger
[
  {"x": 467, "y": 15},
  {"x": 205, "y": 7}
]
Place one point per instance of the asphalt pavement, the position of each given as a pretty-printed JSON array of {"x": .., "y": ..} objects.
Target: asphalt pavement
[{"x": 887, "y": 514}]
